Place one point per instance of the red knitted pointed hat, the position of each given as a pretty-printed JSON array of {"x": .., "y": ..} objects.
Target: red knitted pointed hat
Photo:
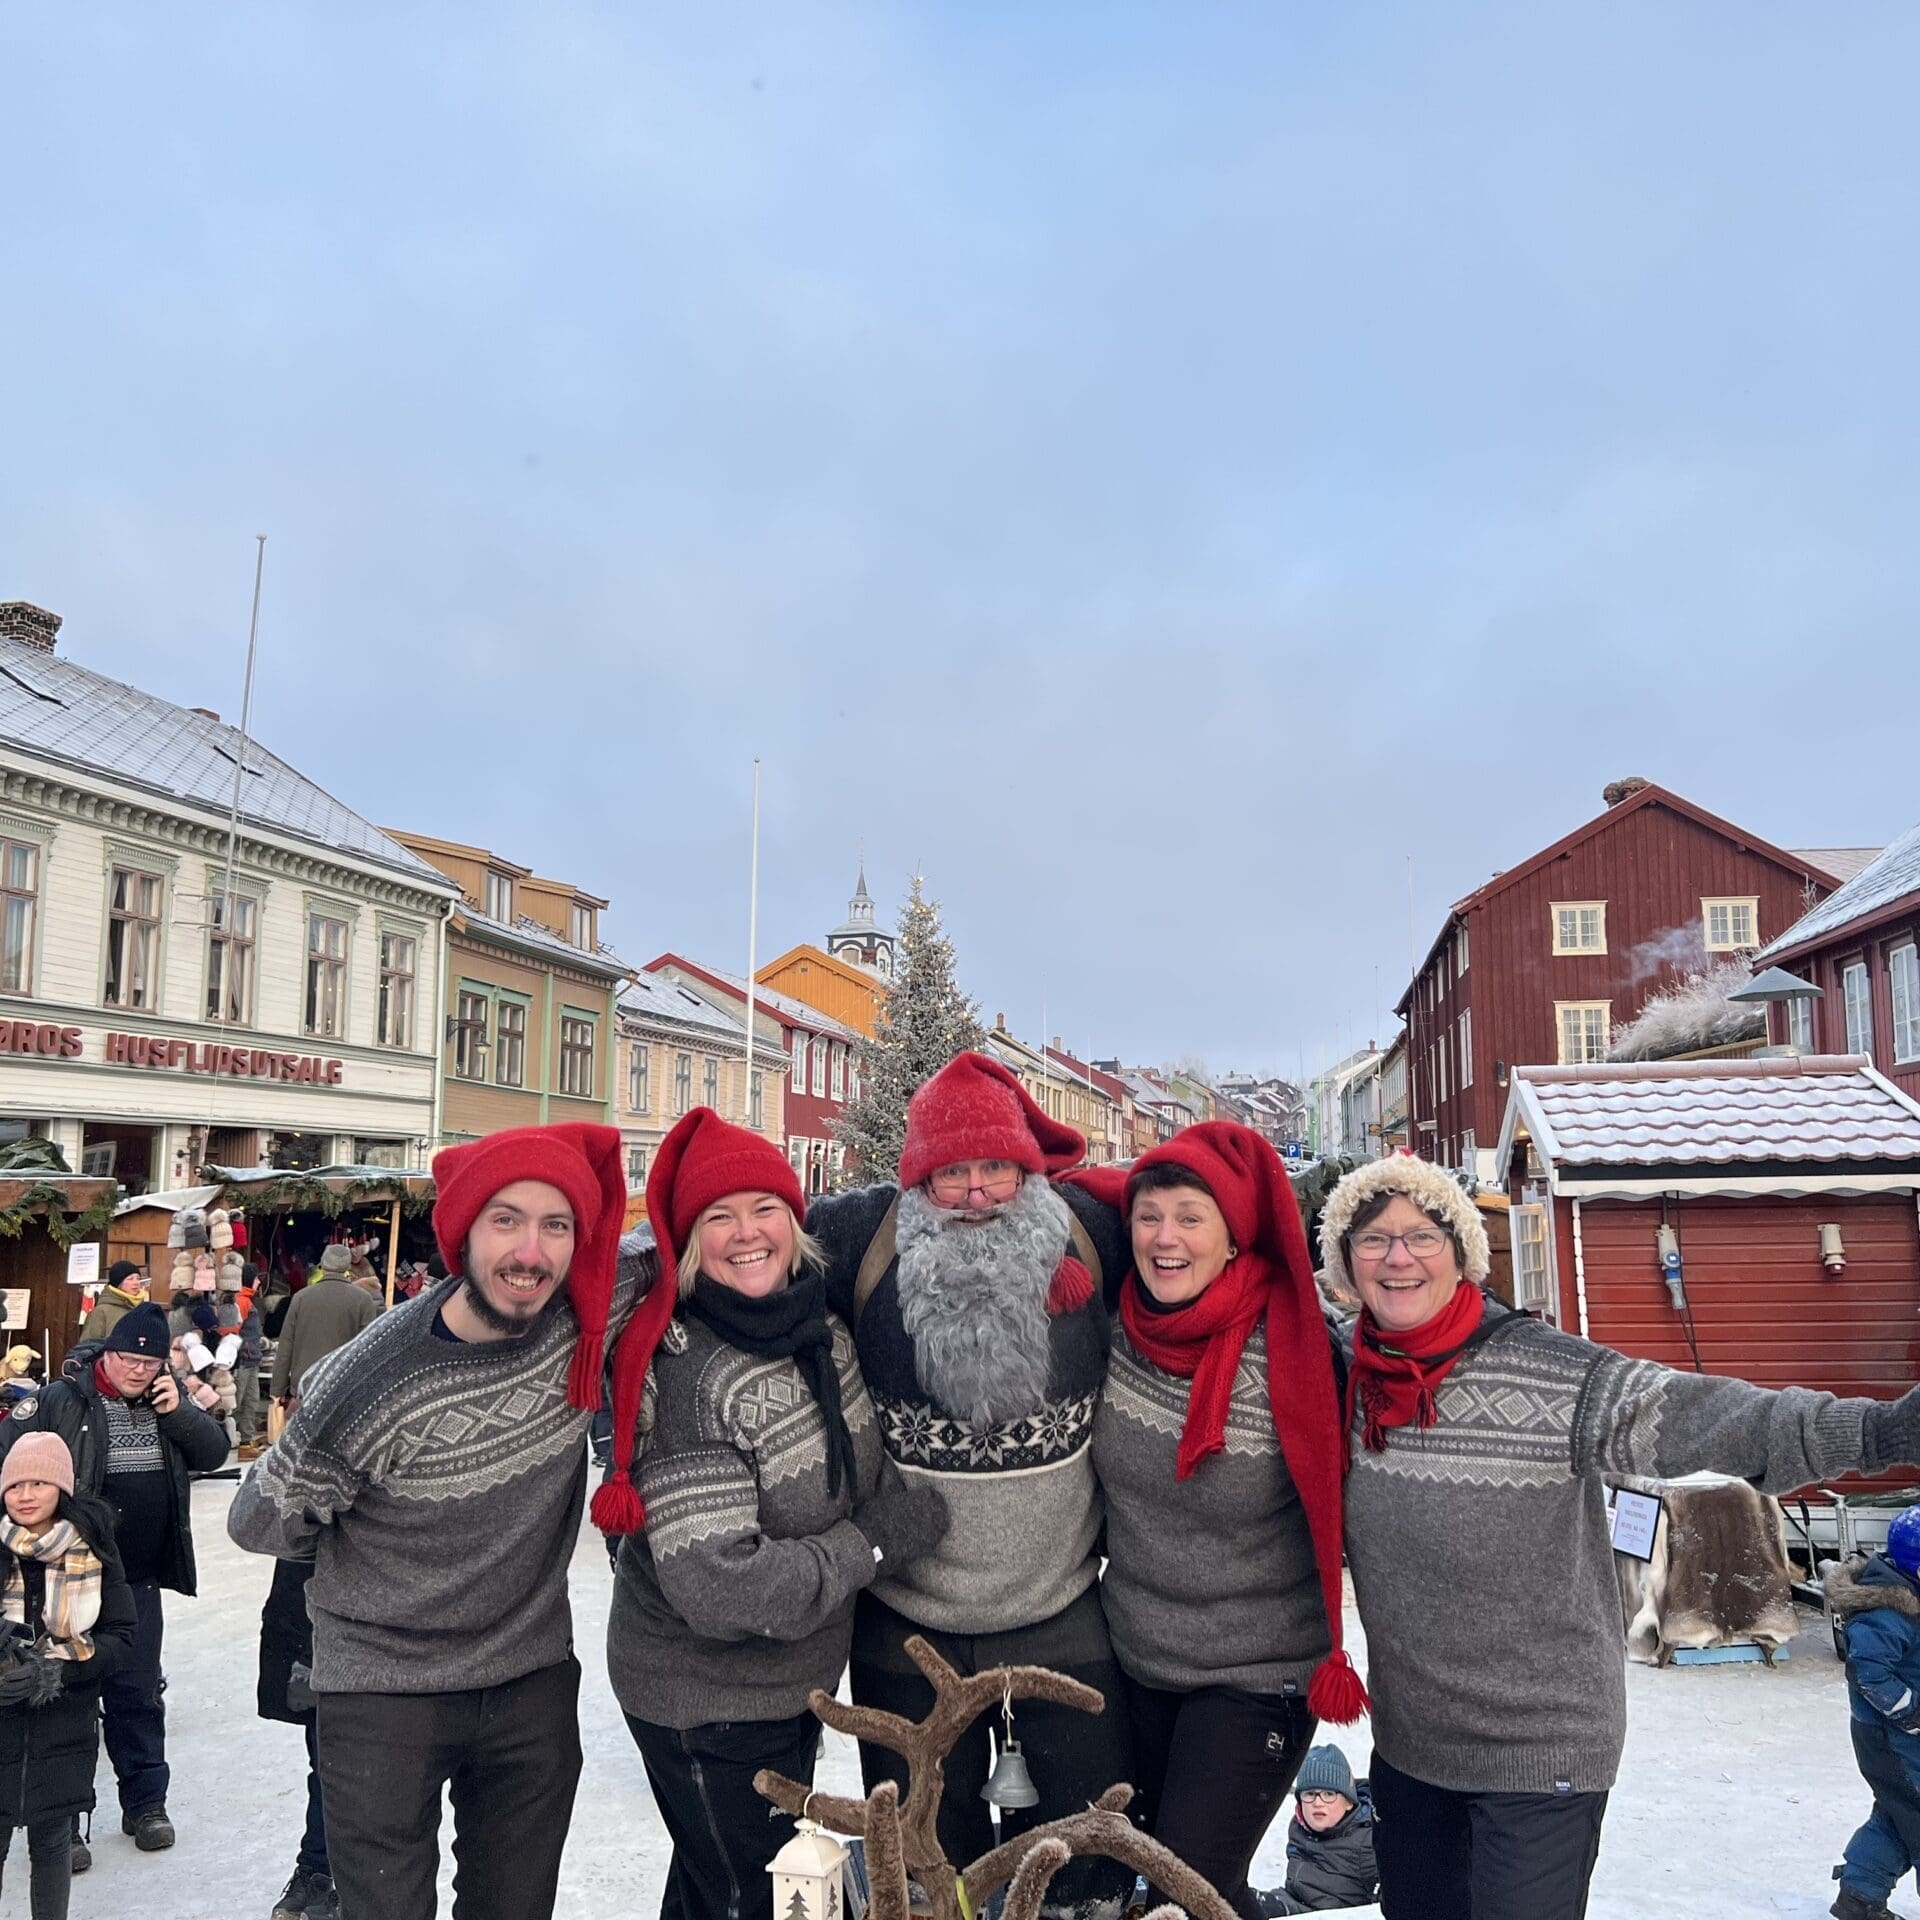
[
  {"x": 1248, "y": 1180},
  {"x": 586, "y": 1164},
  {"x": 702, "y": 1160},
  {"x": 974, "y": 1109}
]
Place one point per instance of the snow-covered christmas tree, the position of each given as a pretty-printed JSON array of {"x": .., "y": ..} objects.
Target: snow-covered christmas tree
[{"x": 926, "y": 1021}]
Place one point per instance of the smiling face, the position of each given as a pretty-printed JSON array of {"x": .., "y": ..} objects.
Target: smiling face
[
  {"x": 1181, "y": 1242},
  {"x": 517, "y": 1256},
  {"x": 746, "y": 1242},
  {"x": 1402, "y": 1287},
  {"x": 32, "y": 1504}
]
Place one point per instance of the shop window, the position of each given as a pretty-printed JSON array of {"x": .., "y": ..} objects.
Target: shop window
[
  {"x": 133, "y": 939},
  {"x": 19, "y": 904},
  {"x": 397, "y": 957}
]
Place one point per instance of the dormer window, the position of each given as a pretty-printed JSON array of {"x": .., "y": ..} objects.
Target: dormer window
[
  {"x": 499, "y": 900},
  {"x": 583, "y": 927}
]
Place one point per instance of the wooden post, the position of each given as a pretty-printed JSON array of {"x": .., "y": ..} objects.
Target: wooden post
[{"x": 393, "y": 1247}]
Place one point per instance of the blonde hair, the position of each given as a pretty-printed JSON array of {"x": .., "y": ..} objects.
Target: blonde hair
[{"x": 807, "y": 1252}]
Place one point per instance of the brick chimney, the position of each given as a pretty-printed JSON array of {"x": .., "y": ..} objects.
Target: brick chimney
[{"x": 22, "y": 620}]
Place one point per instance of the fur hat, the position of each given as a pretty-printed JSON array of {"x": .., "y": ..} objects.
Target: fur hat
[
  {"x": 588, "y": 1165},
  {"x": 38, "y": 1456},
  {"x": 1325, "y": 1770},
  {"x": 974, "y": 1109},
  {"x": 1435, "y": 1193},
  {"x": 335, "y": 1258},
  {"x": 143, "y": 1332}
]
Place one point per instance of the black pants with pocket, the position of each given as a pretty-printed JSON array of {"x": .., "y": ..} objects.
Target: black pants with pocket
[
  {"x": 1482, "y": 1856},
  {"x": 1213, "y": 1767},
  {"x": 507, "y": 1756},
  {"x": 724, "y": 1834},
  {"x": 1074, "y": 1757}
]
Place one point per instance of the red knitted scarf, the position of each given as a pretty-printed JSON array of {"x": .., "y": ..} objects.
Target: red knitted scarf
[{"x": 1395, "y": 1374}]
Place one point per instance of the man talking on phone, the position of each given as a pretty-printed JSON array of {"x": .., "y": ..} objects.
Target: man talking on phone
[{"x": 134, "y": 1440}]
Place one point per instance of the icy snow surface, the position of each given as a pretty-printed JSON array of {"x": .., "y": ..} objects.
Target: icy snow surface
[{"x": 1737, "y": 1792}]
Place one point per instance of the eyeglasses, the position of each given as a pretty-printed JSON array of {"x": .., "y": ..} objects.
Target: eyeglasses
[
  {"x": 1423, "y": 1243},
  {"x": 135, "y": 1364},
  {"x": 957, "y": 1186}
]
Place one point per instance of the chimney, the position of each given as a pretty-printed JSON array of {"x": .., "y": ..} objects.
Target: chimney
[
  {"x": 999, "y": 1023},
  {"x": 22, "y": 620},
  {"x": 1617, "y": 790}
]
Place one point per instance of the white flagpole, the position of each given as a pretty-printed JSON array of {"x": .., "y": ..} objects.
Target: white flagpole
[{"x": 753, "y": 937}]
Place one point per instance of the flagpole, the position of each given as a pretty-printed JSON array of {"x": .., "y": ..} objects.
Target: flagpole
[{"x": 753, "y": 936}]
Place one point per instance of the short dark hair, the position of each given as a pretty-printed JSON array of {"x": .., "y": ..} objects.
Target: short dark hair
[
  {"x": 1370, "y": 1210},
  {"x": 1162, "y": 1177}
]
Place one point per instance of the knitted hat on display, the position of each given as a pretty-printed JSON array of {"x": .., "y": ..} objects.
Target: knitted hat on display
[
  {"x": 1325, "y": 1770},
  {"x": 1249, "y": 1182},
  {"x": 335, "y": 1258},
  {"x": 974, "y": 1109},
  {"x": 702, "y": 1160},
  {"x": 587, "y": 1165},
  {"x": 205, "y": 1319},
  {"x": 192, "y": 1222},
  {"x": 1436, "y": 1194},
  {"x": 219, "y": 1230},
  {"x": 141, "y": 1331},
  {"x": 38, "y": 1456}
]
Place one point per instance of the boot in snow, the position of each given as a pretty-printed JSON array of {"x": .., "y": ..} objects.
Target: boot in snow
[
  {"x": 1850, "y": 1905},
  {"x": 151, "y": 1829}
]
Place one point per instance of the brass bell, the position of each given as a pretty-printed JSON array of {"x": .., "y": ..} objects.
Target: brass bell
[{"x": 1011, "y": 1784}]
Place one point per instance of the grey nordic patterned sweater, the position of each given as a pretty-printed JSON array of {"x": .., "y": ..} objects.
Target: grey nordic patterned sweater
[
  {"x": 737, "y": 1600},
  {"x": 437, "y": 1487},
  {"x": 1479, "y": 1549},
  {"x": 1210, "y": 1581}
]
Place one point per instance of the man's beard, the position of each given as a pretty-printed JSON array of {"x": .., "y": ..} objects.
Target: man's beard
[
  {"x": 509, "y": 1326},
  {"x": 973, "y": 1297}
]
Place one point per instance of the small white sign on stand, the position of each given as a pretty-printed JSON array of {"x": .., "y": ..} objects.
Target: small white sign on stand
[
  {"x": 16, "y": 1299},
  {"x": 83, "y": 1264},
  {"x": 1635, "y": 1517}
]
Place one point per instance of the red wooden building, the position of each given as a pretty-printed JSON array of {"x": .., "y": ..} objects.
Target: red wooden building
[
  {"x": 1791, "y": 1192},
  {"x": 1539, "y": 964},
  {"x": 1861, "y": 950}
]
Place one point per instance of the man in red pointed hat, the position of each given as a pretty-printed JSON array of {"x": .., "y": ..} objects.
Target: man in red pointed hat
[
  {"x": 434, "y": 1473},
  {"x": 973, "y": 1288}
]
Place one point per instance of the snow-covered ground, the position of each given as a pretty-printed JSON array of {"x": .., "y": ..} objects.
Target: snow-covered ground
[{"x": 1736, "y": 1795}]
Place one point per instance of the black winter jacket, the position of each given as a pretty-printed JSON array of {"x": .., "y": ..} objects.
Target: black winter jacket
[
  {"x": 1335, "y": 1868},
  {"x": 73, "y": 1408},
  {"x": 286, "y": 1642},
  {"x": 48, "y": 1754}
]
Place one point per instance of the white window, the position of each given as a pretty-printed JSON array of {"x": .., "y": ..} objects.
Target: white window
[
  {"x": 1446, "y": 1072},
  {"x": 1800, "y": 1022},
  {"x": 1732, "y": 925},
  {"x": 639, "y": 1076},
  {"x": 757, "y": 1114},
  {"x": 1584, "y": 1026},
  {"x": 500, "y": 898},
  {"x": 636, "y": 1168},
  {"x": 1579, "y": 926},
  {"x": 1903, "y": 971},
  {"x": 1466, "y": 1048},
  {"x": 326, "y": 1013},
  {"x": 133, "y": 939},
  {"x": 1467, "y": 1151},
  {"x": 583, "y": 927},
  {"x": 820, "y": 1069},
  {"x": 682, "y": 1082},
  {"x": 1460, "y": 951},
  {"x": 839, "y": 1071},
  {"x": 230, "y": 955},
  {"x": 710, "y": 1082},
  {"x": 1859, "y": 998},
  {"x": 19, "y": 901},
  {"x": 1532, "y": 1283},
  {"x": 799, "y": 1061},
  {"x": 1440, "y": 974},
  {"x": 394, "y": 1018}
]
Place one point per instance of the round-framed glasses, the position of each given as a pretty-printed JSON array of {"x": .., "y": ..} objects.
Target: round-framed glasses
[{"x": 1423, "y": 1243}]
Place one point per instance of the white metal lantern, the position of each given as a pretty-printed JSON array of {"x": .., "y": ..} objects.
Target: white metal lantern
[{"x": 806, "y": 1876}]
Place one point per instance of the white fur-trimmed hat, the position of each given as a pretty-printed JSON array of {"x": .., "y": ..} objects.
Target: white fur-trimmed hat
[{"x": 1432, "y": 1191}]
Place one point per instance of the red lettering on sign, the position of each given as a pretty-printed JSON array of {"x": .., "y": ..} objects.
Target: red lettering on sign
[{"x": 335, "y": 1070}]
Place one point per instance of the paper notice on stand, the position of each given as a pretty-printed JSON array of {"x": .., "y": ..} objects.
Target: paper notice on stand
[
  {"x": 1634, "y": 1518},
  {"x": 16, "y": 1299},
  {"x": 83, "y": 1264}
]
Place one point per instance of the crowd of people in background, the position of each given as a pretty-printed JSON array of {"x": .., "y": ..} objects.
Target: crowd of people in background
[{"x": 1102, "y": 1421}]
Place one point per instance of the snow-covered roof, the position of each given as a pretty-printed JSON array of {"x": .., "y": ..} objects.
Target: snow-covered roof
[
  {"x": 795, "y": 1012},
  {"x": 532, "y": 933},
  {"x": 1891, "y": 876},
  {"x": 1842, "y": 862},
  {"x": 67, "y": 714},
  {"x": 1810, "y": 1111},
  {"x": 652, "y": 996}
]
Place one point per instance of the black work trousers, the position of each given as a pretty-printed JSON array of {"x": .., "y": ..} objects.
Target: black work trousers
[
  {"x": 724, "y": 1834},
  {"x": 1213, "y": 1767},
  {"x": 1074, "y": 1757},
  {"x": 507, "y": 1756},
  {"x": 49, "y": 1864},
  {"x": 134, "y": 1709},
  {"x": 1481, "y": 1856}
]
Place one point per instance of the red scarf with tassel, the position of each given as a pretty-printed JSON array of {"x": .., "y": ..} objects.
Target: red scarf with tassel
[{"x": 1395, "y": 1375}]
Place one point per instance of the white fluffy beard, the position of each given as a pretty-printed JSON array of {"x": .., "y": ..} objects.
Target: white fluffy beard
[{"x": 973, "y": 1295}]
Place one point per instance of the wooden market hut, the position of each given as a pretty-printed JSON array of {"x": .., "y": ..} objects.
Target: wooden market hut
[{"x": 42, "y": 1215}]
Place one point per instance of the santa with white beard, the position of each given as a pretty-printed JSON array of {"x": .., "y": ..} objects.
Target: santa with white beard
[{"x": 983, "y": 1336}]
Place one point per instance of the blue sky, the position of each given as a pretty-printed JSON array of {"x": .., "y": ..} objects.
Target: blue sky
[{"x": 1156, "y": 469}]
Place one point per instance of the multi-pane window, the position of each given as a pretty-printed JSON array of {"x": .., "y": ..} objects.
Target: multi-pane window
[
  {"x": 326, "y": 1016},
  {"x": 583, "y": 927},
  {"x": 510, "y": 1068},
  {"x": 1579, "y": 926},
  {"x": 1584, "y": 1026},
  {"x": 1800, "y": 1022},
  {"x": 853, "y": 1077},
  {"x": 1460, "y": 951},
  {"x": 19, "y": 902},
  {"x": 500, "y": 898},
  {"x": 710, "y": 1082},
  {"x": 397, "y": 956},
  {"x": 757, "y": 1098},
  {"x": 839, "y": 1071},
  {"x": 639, "y": 1076},
  {"x": 682, "y": 1082},
  {"x": 636, "y": 1167},
  {"x": 576, "y": 1056},
  {"x": 799, "y": 1061},
  {"x": 1732, "y": 925},
  {"x": 1532, "y": 1285},
  {"x": 1466, "y": 1048},
  {"x": 1903, "y": 974},
  {"x": 230, "y": 958},
  {"x": 1858, "y": 995},
  {"x": 133, "y": 939},
  {"x": 470, "y": 1036},
  {"x": 820, "y": 1069}
]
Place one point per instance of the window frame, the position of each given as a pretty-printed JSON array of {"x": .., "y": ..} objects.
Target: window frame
[
  {"x": 682, "y": 1083},
  {"x": 496, "y": 897},
  {"x": 1579, "y": 946},
  {"x": 154, "y": 924},
  {"x": 1584, "y": 1008},
  {"x": 757, "y": 1101},
  {"x": 639, "y": 1076},
  {"x": 510, "y": 1037},
  {"x": 798, "y": 1070},
  {"x": 710, "y": 1081},
  {"x": 1904, "y": 1053},
  {"x": 28, "y": 948},
  {"x": 817, "y": 1072},
  {"x": 837, "y": 1070},
  {"x": 575, "y": 1065},
  {"x": 1465, "y": 1037},
  {"x": 636, "y": 1167},
  {"x": 580, "y": 925},
  {"x": 334, "y": 968},
  {"x": 1730, "y": 901},
  {"x": 1460, "y": 951},
  {"x": 249, "y": 945},
  {"x": 1863, "y": 1042},
  {"x": 470, "y": 1054},
  {"x": 1533, "y": 1283},
  {"x": 1800, "y": 1022},
  {"x": 396, "y": 987}
]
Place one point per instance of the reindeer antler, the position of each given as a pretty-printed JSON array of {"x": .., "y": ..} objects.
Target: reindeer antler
[{"x": 1103, "y": 1829}]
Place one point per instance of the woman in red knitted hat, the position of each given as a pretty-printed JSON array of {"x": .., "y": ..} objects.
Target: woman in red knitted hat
[
  {"x": 767, "y": 1502},
  {"x": 1218, "y": 1446}
]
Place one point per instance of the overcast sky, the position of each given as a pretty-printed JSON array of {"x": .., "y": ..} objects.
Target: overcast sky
[{"x": 1156, "y": 468}]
